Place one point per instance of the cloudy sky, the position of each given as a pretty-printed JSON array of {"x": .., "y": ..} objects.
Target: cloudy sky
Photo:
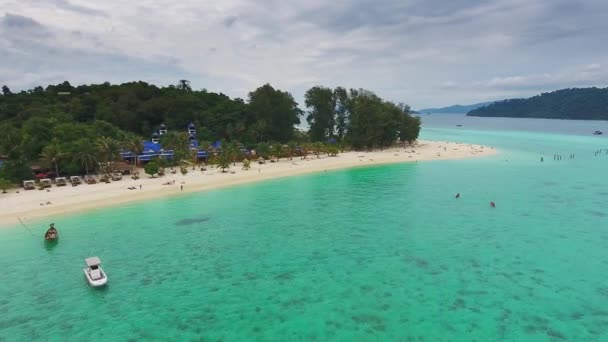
[{"x": 422, "y": 52}]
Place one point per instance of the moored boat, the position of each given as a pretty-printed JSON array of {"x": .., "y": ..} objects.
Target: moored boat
[
  {"x": 94, "y": 273},
  {"x": 598, "y": 133},
  {"x": 51, "y": 234}
]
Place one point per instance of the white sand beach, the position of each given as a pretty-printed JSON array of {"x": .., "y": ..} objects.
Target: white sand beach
[{"x": 37, "y": 204}]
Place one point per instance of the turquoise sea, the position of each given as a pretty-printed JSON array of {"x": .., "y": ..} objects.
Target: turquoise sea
[{"x": 368, "y": 254}]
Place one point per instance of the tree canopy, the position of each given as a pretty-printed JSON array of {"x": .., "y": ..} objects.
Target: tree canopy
[{"x": 359, "y": 117}]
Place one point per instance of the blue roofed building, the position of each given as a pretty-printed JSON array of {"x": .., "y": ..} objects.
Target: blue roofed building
[{"x": 153, "y": 149}]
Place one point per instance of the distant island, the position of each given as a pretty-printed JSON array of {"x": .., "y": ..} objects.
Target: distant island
[
  {"x": 456, "y": 109},
  {"x": 574, "y": 104}
]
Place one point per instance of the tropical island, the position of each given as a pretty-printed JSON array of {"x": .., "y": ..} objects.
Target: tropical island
[
  {"x": 455, "y": 109},
  {"x": 77, "y": 130},
  {"x": 188, "y": 140},
  {"x": 574, "y": 104}
]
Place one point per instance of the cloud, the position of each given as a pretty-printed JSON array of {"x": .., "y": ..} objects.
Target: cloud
[
  {"x": 14, "y": 21},
  {"x": 16, "y": 27},
  {"x": 501, "y": 87},
  {"x": 580, "y": 76},
  {"x": 424, "y": 52},
  {"x": 230, "y": 20},
  {"x": 67, "y": 5}
]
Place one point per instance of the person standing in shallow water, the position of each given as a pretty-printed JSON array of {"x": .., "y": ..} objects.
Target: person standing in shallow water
[{"x": 458, "y": 195}]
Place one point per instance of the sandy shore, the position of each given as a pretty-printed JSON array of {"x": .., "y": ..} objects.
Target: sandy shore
[{"x": 36, "y": 204}]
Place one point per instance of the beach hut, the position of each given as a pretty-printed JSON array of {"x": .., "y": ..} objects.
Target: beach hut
[
  {"x": 61, "y": 181},
  {"x": 46, "y": 183},
  {"x": 116, "y": 176},
  {"x": 75, "y": 180},
  {"x": 261, "y": 160},
  {"x": 121, "y": 167},
  {"x": 29, "y": 185}
]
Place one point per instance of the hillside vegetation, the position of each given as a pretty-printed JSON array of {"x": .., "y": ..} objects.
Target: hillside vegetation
[{"x": 576, "y": 104}]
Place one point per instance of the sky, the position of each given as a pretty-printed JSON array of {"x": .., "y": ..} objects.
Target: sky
[{"x": 426, "y": 53}]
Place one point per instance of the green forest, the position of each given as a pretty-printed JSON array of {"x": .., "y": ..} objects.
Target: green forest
[
  {"x": 74, "y": 129},
  {"x": 575, "y": 104}
]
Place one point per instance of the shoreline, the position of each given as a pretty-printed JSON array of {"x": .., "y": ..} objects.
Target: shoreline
[{"x": 33, "y": 205}]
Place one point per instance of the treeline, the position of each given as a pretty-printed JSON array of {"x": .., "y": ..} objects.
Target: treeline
[
  {"x": 575, "y": 104},
  {"x": 358, "y": 117},
  {"x": 62, "y": 126}
]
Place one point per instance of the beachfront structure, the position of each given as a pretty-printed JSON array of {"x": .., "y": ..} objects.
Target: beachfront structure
[
  {"x": 191, "y": 130},
  {"x": 116, "y": 175},
  {"x": 153, "y": 149},
  {"x": 29, "y": 185},
  {"x": 200, "y": 153},
  {"x": 46, "y": 183},
  {"x": 75, "y": 180},
  {"x": 61, "y": 181}
]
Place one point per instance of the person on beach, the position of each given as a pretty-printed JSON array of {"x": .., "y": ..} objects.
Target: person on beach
[
  {"x": 181, "y": 188},
  {"x": 139, "y": 186}
]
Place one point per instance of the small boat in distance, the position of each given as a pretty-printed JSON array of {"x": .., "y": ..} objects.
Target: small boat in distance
[
  {"x": 458, "y": 125},
  {"x": 51, "y": 234},
  {"x": 94, "y": 273},
  {"x": 598, "y": 133}
]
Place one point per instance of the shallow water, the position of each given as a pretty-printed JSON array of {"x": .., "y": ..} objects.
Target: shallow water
[{"x": 381, "y": 253}]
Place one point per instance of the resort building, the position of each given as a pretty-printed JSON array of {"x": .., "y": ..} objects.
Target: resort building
[{"x": 153, "y": 148}]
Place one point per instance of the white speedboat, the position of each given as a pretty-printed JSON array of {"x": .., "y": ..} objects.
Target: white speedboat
[{"x": 95, "y": 275}]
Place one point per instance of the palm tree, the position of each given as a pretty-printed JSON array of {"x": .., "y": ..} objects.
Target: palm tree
[
  {"x": 134, "y": 144},
  {"x": 223, "y": 161},
  {"x": 205, "y": 146},
  {"x": 318, "y": 148},
  {"x": 86, "y": 153},
  {"x": 52, "y": 153},
  {"x": 306, "y": 148},
  {"x": 4, "y": 185},
  {"x": 277, "y": 150},
  {"x": 178, "y": 142},
  {"x": 194, "y": 156},
  {"x": 109, "y": 150},
  {"x": 232, "y": 151},
  {"x": 291, "y": 149}
]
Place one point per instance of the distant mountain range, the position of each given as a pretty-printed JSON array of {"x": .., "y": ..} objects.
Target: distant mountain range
[
  {"x": 574, "y": 103},
  {"x": 456, "y": 109}
]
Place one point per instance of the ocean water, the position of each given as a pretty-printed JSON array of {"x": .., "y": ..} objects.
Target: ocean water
[{"x": 367, "y": 254}]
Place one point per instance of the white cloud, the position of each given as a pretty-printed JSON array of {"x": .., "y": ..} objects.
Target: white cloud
[{"x": 424, "y": 52}]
